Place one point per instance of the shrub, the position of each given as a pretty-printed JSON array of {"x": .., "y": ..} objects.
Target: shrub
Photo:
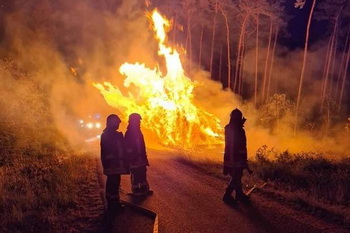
[{"x": 313, "y": 173}]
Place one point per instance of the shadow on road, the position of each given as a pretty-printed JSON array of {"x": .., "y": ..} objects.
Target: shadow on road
[
  {"x": 130, "y": 220},
  {"x": 252, "y": 214}
]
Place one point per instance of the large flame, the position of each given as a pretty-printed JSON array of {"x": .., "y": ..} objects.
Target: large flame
[{"x": 165, "y": 102}]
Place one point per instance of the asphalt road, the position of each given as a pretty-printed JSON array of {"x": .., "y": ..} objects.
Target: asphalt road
[{"x": 187, "y": 200}]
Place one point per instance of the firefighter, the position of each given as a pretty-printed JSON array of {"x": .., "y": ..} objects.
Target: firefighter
[
  {"x": 113, "y": 160},
  {"x": 137, "y": 156},
  {"x": 235, "y": 157}
]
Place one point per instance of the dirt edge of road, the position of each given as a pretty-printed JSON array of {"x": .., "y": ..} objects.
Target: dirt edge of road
[{"x": 282, "y": 198}]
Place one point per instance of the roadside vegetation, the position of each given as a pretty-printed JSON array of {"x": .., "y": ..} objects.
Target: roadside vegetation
[
  {"x": 43, "y": 182},
  {"x": 307, "y": 181},
  {"x": 319, "y": 177}
]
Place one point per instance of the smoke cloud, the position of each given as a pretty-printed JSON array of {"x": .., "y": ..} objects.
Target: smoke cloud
[{"x": 65, "y": 46}]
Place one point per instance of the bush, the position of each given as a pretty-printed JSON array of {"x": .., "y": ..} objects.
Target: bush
[{"x": 319, "y": 177}]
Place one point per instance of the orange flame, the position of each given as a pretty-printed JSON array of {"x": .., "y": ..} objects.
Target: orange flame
[{"x": 164, "y": 101}]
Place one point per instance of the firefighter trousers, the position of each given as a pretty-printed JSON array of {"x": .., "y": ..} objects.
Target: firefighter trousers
[
  {"x": 112, "y": 190},
  {"x": 236, "y": 181},
  {"x": 139, "y": 182}
]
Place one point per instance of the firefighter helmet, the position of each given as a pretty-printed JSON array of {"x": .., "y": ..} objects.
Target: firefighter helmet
[
  {"x": 135, "y": 117},
  {"x": 112, "y": 120},
  {"x": 236, "y": 114}
]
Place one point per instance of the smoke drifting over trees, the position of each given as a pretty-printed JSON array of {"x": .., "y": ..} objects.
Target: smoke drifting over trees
[{"x": 242, "y": 46}]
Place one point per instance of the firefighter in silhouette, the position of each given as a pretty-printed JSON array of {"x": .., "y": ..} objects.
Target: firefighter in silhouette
[
  {"x": 235, "y": 156},
  {"x": 113, "y": 160},
  {"x": 137, "y": 156}
]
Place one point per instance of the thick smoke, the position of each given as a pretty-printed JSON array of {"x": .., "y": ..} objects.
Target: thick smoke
[{"x": 65, "y": 46}]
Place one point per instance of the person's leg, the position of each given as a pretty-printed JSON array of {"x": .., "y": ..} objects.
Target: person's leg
[
  {"x": 112, "y": 191},
  {"x": 143, "y": 179},
  {"x": 227, "y": 198},
  {"x": 237, "y": 181},
  {"x": 240, "y": 196},
  {"x": 135, "y": 180},
  {"x": 139, "y": 181},
  {"x": 230, "y": 187}
]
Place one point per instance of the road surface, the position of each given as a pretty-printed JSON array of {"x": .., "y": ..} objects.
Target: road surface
[{"x": 187, "y": 200}]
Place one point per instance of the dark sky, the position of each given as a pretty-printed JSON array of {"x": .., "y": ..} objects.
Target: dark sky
[{"x": 298, "y": 23}]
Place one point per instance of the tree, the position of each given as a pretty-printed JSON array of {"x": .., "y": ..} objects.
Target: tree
[
  {"x": 224, "y": 13},
  {"x": 335, "y": 10},
  {"x": 213, "y": 38},
  {"x": 256, "y": 61},
  {"x": 344, "y": 78},
  {"x": 300, "y": 4}
]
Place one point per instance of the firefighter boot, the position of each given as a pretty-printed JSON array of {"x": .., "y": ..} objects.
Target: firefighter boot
[
  {"x": 227, "y": 198},
  {"x": 241, "y": 197},
  {"x": 114, "y": 206}
]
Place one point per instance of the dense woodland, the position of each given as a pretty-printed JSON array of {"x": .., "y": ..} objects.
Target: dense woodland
[{"x": 219, "y": 34}]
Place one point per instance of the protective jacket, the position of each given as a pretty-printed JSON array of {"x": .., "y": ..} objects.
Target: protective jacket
[
  {"x": 113, "y": 153},
  {"x": 135, "y": 148},
  {"x": 235, "y": 155}
]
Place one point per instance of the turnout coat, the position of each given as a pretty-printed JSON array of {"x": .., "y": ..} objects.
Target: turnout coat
[
  {"x": 235, "y": 155},
  {"x": 113, "y": 157},
  {"x": 135, "y": 148}
]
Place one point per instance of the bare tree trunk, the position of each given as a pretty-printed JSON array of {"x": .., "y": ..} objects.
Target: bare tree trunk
[
  {"x": 174, "y": 29},
  {"x": 228, "y": 48},
  {"x": 333, "y": 62},
  {"x": 303, "y": 66},
  {"x": 341, "y": 65},
  {"x": 344, "y": 79},
  {"x": 213, "y": 40},
  {"x": 240, "y": 83},
  {"x": 272, "y": 62},
  {"x": 200, "y": 47},
  {"x": 329, "y": 58},
  {"x": 256, "y": 61},
  {"x": 326, "y": 65},
  {"x": 220, "y": 65},
  {"x": 266, "y": 64},
  {"x": 239, "y": 54},
  {"x": 189, "y": 48}
]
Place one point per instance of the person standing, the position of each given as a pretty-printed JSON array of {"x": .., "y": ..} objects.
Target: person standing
[
  {"x": 113, "y": 160},
  {"x": 235, "y": 157},
  {"x": 137, "y": 156}
]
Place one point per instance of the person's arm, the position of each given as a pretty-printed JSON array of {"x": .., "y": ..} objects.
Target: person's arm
[
  {"x": 227, "y": 151},
  {"x": 129, "y": 145},
  {"x": 246, "y": 153},
  {"x": 103, "y": 148}
]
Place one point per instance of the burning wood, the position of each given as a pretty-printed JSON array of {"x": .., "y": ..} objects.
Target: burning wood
[{"x": 164, "y": 101}]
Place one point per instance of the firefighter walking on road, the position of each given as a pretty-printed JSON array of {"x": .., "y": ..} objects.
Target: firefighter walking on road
[
  {"x": 113, "y": 160},
  {"x": 137, "y": 156},
  {"x": 235, "y": 157}
]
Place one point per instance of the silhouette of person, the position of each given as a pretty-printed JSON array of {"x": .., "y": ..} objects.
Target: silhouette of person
[
  {"x": 137, "y": 156},
  {"x": 235, "y": 156},
  {"x": 113, "y": 160}
]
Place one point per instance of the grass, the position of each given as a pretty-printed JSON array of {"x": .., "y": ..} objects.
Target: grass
[
  {"x": 38, "y": 189},
  {"x": 305, "y": 181},
  {"x": 319, "y": 177},
  {"x": 45, "y": 186}
]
